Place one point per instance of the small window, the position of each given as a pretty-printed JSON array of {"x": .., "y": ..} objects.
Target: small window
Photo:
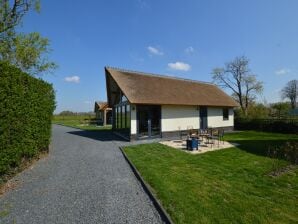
[
  {"x": 123, "y": 99},
  {"x": 225, "y": 114}
]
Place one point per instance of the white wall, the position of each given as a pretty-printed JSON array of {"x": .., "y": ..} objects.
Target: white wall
[
  {"x": 133, "y": 119},
  {"x": 175, "y": 117},
  {"x": 215, "y": 117}
]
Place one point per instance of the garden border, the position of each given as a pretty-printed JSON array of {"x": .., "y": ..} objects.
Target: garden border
[{"x": 157, "y": 204}]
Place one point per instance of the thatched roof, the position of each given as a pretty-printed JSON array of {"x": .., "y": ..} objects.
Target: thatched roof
[
  {"x": 144, "y": 88},
  {"x": 99, "y": 105}
]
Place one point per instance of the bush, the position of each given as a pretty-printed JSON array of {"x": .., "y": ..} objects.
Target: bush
[
  {"x": 26, "y": 108},
  {"x": 270, "y": 125},
  {"x": 288, "y": 152}
]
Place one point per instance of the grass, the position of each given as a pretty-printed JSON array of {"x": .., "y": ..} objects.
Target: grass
[
  {"x": 225, "y": 186},
  {"x": 79, "y": 121}
]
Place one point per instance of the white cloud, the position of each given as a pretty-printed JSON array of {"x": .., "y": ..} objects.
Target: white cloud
[
  {"x": 154, "y": 50},
  {"x": 74, "y": 79},
  {"x": 189, "y": 50},
  {"x": 179, "y": 66},
  {"x": 282, "y": 71}
]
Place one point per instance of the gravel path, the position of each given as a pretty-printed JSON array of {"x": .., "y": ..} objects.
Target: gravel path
[{"x": 85, "y": 179}]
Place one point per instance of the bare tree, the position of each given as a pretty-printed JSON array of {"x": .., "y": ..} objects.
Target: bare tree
[
  {"x": 236, "y": 76},
  {"x": 290, "y": 91}
]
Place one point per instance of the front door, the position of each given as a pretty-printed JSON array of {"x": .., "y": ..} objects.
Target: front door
[
  {"x": 203, "y": 118},
  {"x": 148, "y": 121}
]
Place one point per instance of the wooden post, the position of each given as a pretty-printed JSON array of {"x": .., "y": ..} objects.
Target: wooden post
[{"x": 104, "y": 117}]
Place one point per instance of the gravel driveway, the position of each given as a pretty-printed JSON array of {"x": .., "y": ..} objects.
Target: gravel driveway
[{"x": 85, "y": 179}]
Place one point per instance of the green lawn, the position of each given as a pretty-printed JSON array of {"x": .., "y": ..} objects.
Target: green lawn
[
  {"x": 225, "y": 186},
  {"x": 80, "y": 122}
]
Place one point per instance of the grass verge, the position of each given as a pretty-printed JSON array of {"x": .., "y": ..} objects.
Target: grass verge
[{"x": 79, "y": 122}]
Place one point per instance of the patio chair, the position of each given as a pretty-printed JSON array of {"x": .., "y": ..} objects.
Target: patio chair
[
  {"x": 216, "y": 136},
  {"x": 221, "y": 133},
  {"x": 202, "y": 133},
  {"x": 194, "y": 133},
  {"x": 210, "y": 139},
  {"x": 183, "y": 135}
]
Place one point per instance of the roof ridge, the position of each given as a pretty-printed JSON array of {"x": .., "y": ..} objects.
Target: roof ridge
[{"x": 158, "y": 75}]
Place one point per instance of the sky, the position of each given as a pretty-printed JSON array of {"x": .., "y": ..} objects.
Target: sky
[{"x": 173, "y": 37}]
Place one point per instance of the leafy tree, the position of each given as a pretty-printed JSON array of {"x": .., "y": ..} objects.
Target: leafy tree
[
  {"x": 67, "y": 113},
  {"x": 280, "y": 109},
  {"x": 290, "y": 91},
  {"x": 27, "y": 52},
  {"x": 258, "y": 111},
  {"x": 12, "y": 12},
  {"x": 236, "y": 76}
]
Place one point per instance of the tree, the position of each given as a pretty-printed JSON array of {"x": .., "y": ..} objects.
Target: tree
[
  {"x": 67, "y": 113},
  {"x": 12, "y": 12},
  {"x": 290, "y": 91},
  {"x": 236, "y": 76},
  {"x": 258, "y": 111},
  {"x": 280, "y": 109},
  {"x": 27, "y": 52}
]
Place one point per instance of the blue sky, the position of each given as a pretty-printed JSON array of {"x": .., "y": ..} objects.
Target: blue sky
[{"x": 181, "y": 38}]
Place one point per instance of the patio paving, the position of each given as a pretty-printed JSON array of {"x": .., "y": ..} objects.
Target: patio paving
[{"x": 203, "y": 147}]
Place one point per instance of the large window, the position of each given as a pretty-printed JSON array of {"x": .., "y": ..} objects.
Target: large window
[
  {"x": 122, "y": 116},
  {"x": 116, "y": 117},
  {"x": 128, "y": 116},
  {"x": 123, "y": 120},
  {"x": 225, "y": 114}
]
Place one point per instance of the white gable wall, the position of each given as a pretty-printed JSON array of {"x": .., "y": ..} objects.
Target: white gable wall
[
  {"x": 174, "y": 118},
  {"x": 215, "y": 117}
]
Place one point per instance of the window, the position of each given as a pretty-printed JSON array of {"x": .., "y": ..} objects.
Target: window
[
  {"x": 123, "y": 117},
  {"x": 127, "y": 116},
  {"x": 119, "y": 117},
  {"x": 225, "y": 114},
  {"x": 123, "y": 99}
]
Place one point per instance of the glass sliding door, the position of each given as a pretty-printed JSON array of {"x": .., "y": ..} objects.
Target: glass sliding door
[
  {"x": 148, "y": 121},
  {"x": 143, "y": 119},
  {"x": 154, "y": 117}
]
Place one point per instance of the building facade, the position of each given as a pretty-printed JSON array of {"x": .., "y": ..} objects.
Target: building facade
[
  {"x": 103, "y": 113},
  {"x": 148, "y": 106}
]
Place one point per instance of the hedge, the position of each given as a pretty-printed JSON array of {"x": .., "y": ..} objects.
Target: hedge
[
  {"x": 270, "y": 125},
  {"x": 26, "y": 109}
]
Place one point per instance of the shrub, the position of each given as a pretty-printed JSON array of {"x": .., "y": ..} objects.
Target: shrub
[
  {"x": 270, "y": 125},
  {"x": 26, "y": 108},
  {"x": 288, "y": 152}
]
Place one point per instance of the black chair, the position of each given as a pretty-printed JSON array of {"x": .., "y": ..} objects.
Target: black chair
[{"x": 221, "y": 133}]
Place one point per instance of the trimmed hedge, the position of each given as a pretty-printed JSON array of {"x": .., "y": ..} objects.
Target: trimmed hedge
[
  {"x": 269, "y": 125},
  {"x": 26, "y": 109}
]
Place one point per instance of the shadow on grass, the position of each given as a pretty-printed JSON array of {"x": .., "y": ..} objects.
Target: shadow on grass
[
  {"x": 99, "y": 135},
  {"x": 260, "y": 147}
]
